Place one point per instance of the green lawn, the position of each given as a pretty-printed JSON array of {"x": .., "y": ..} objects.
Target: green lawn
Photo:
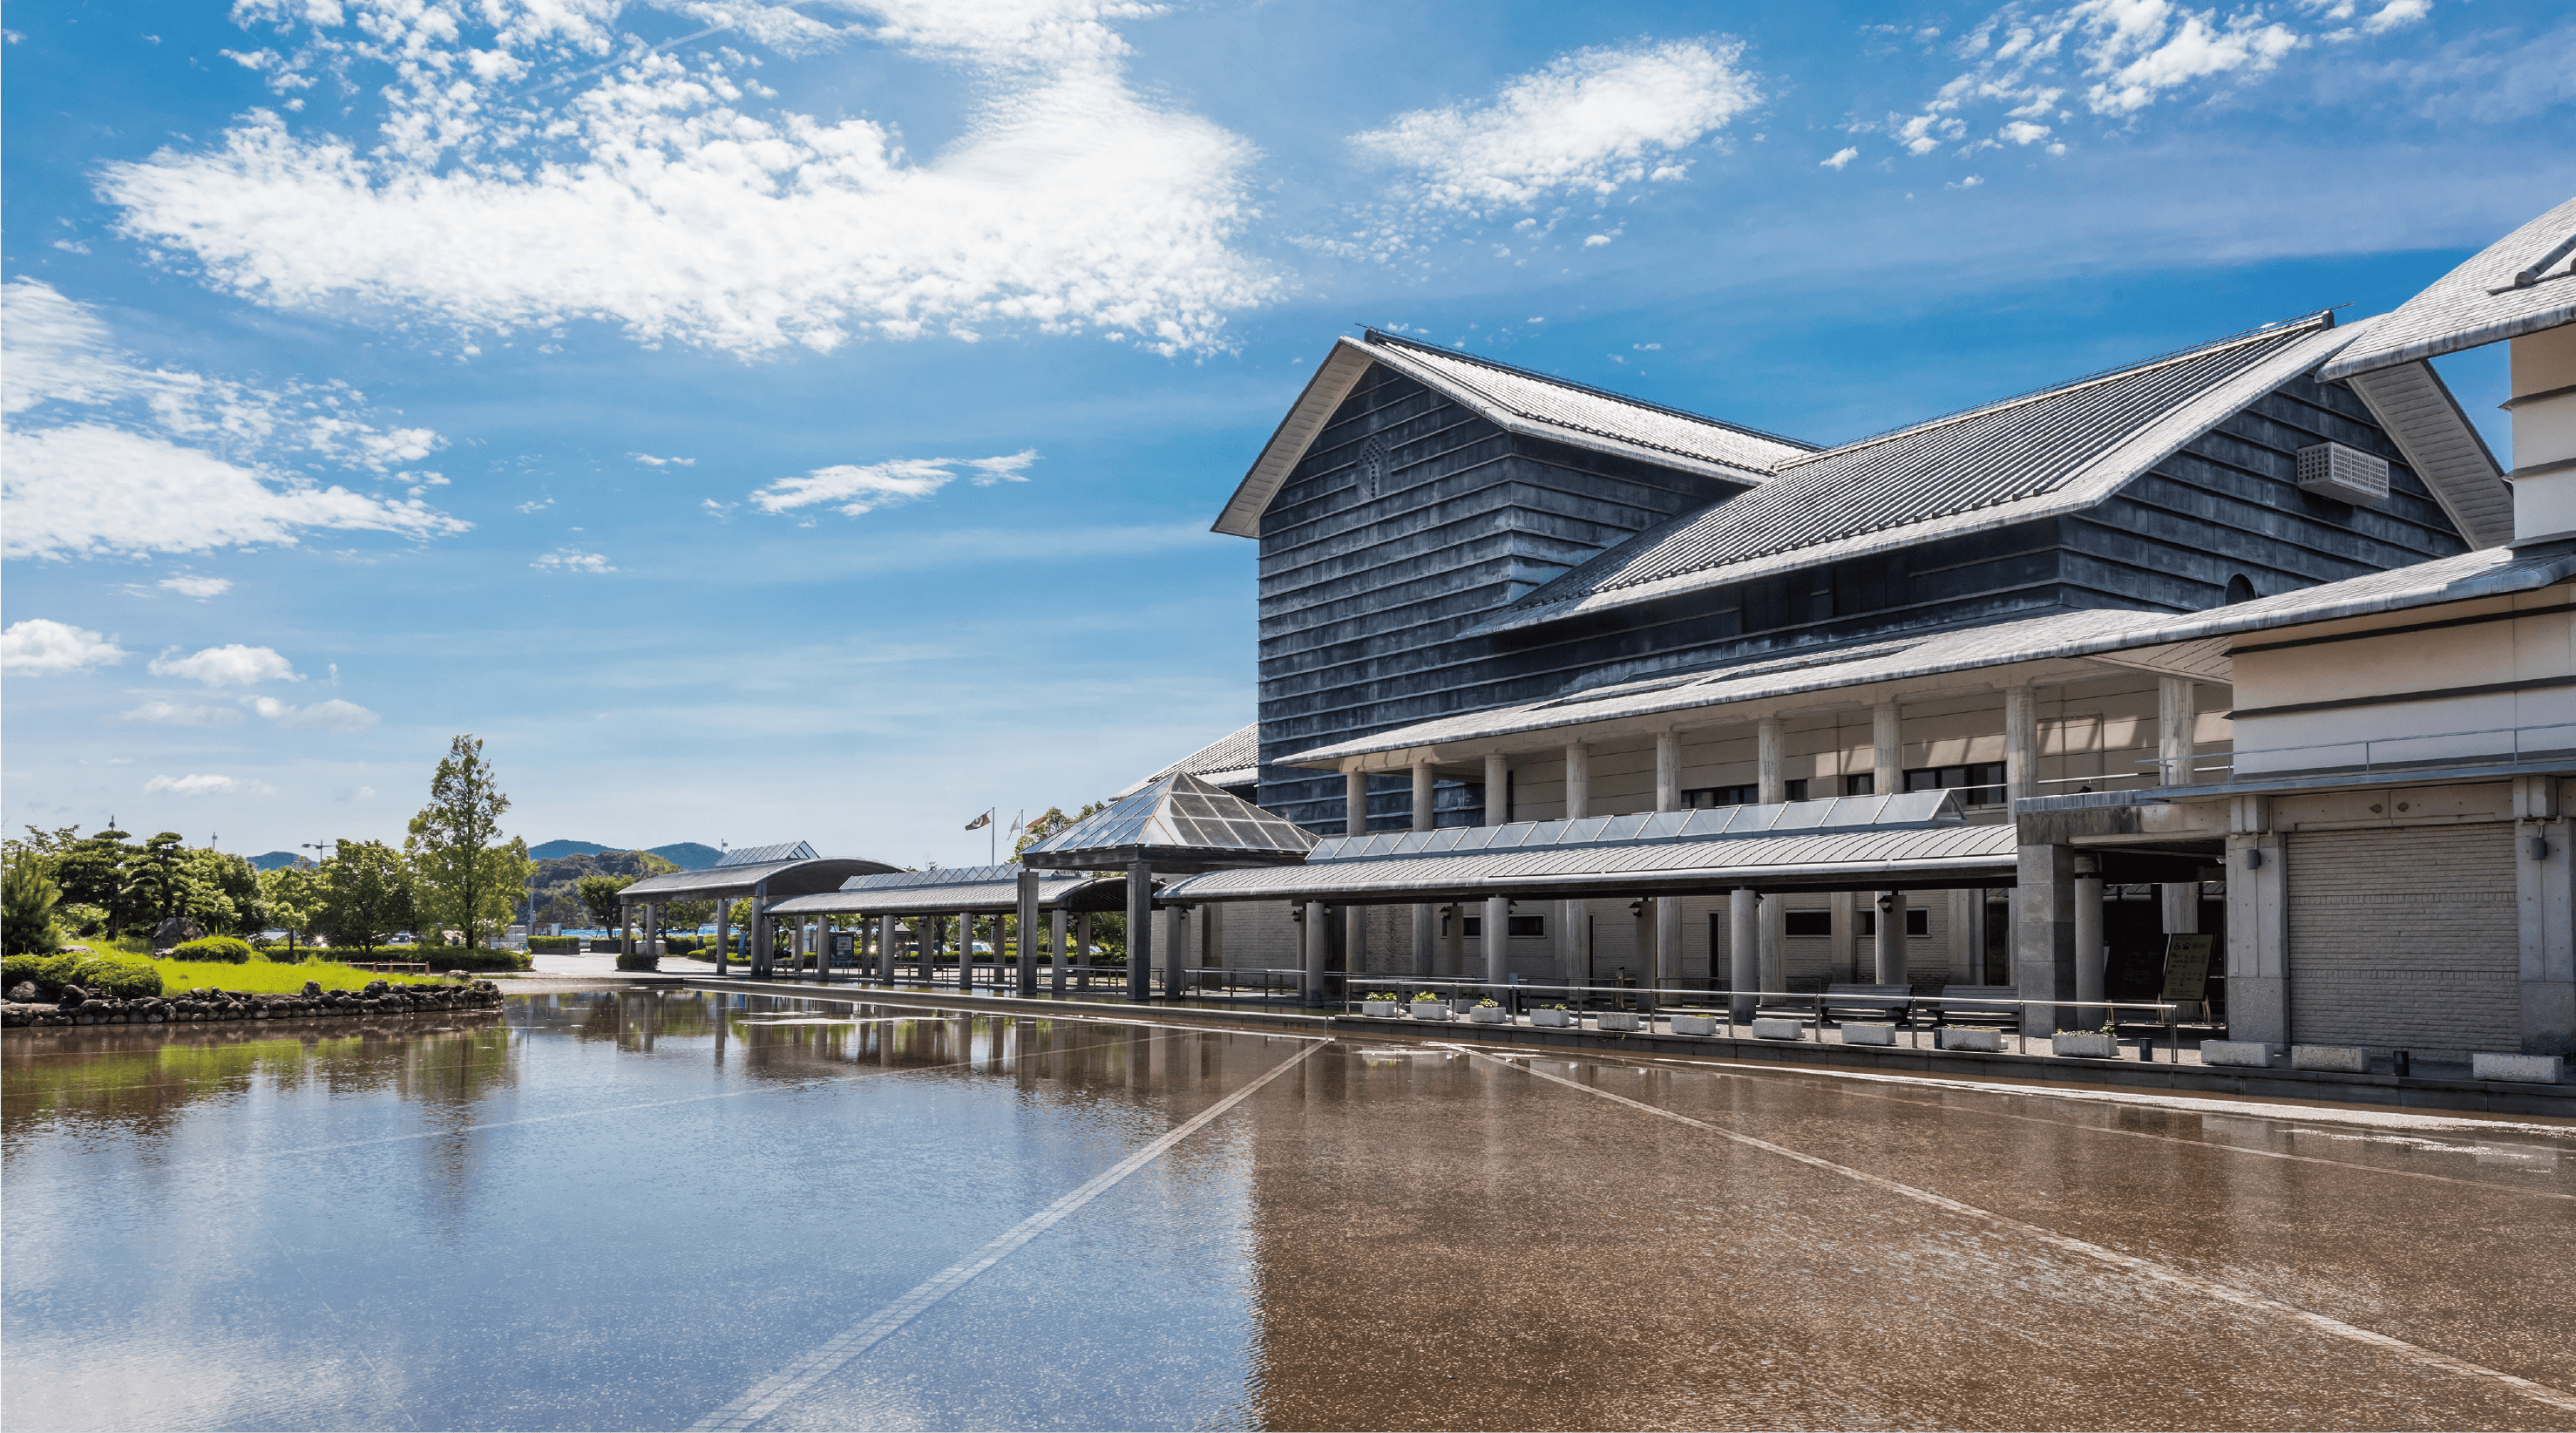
[{"x": 264, "y": 977}]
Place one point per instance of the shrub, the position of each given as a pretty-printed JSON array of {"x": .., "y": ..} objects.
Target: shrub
[
  {"x": 231, "y": 950},
  {"x": 18, "y": 968},
  {"x": 636, "y": 962},
  {"x": 125, "y": 977},
  {"x": 436, "y": 957},
  {"x": 555, "y": 944},
  {"x": 681, "y": 944}
]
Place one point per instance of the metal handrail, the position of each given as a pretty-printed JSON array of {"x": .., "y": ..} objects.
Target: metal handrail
[
  {"x": 1728, "y": 1003},
  {"x": 2513, "y": 754}
]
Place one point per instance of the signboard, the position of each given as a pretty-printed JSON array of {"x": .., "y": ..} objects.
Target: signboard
[
  {"x": 843, "y": 943},
  {"x": 2187, "y": 966}
]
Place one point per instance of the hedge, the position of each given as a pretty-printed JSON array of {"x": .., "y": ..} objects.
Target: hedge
[
  {"x": 125, "y": 977},
  {"x": 555, "y": 944},
  {"x": 439, "y": 957},
  {"x": 229, "y": 950}
]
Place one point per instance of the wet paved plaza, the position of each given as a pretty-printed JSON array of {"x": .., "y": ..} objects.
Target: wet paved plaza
[{"x": 676, "y": 1209}]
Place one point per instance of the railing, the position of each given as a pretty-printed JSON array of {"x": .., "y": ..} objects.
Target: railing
[
  {"x": 2369, "y": 749},
  {"x": 1811, "y": 1009}
]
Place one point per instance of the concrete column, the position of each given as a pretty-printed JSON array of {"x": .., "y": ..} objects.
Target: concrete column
[
  {"x": 1497, "y": 938},
  {"x": 1668, "y": 771},
  {"x": 1056, "y": 960},
  {"x": 1844, "y": 917},
  {"x": 1886, "y": 750},
  {"x": 2180, "y": 901},
  {"x": 1140, "y": 932},
  {"x": 724, "y": 911},
  {"x": 1767, "y": 762},
  {"x": 1422, "y": 800},
  {"x": 1354, "y": 940},
  {"x": 1578, "y": 781},
  {"x": 1743, "y": 949},
  {"x": 625, "y": 928},
  {"x": 1498, "y": 789},
  {"x": 1354, "y": 803},
  {"x": 2177, "y": 731},
  {"x": 1891, "y": 938},
  {"x": 822, "y": 946},
  {"x": 1965, "y": 942},
  {"x": 2258, "y": 926},
  {"x": 965, "y": 951},
  {"x": 2021, "y": 743},
  {"x": 2044, "y": 931},
  {"x": 1775, "y": 943},
  {"x": 1457, "y": 939},
  {"x": 2545, "y": 898},
  {"x": 1082, "y": 943},
  {"x": 1176, "y": 956},
  {"x": 1425, "y": 927},
  {"x": 760, "y": 956},
  {"x": 1028, "y": 913},
  {"x": 2088, "y": 939},
  {"x": 1422, "y": 819},
  {"x": 885, "y": 950},
  {"x": 1668, "y": 943},
  {"x": 1574, "y": 941},
  {"x": 1318, "y": 950}
]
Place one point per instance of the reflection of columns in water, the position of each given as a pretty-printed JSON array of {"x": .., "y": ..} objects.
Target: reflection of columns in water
[{"x": 723, "y": 1027}]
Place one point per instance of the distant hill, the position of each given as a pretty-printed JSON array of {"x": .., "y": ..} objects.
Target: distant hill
[
  {"x": 687, "y": 855},
  {"x": 274, "y": 859}
]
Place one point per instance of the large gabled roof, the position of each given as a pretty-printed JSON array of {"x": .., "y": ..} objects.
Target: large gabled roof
[
  {"x": 2057, "y": 450},
  {"x": 1514, "y": 399},
  {"x": 2522, "y": 284},
  {"x": 1233, "y": 759}
]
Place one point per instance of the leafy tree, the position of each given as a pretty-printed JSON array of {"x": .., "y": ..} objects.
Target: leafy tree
[
  {"x": 1052, "y": 820},
  {"x": 91, "y": 871},
  {"x": 156, "y": 879},
  {"x": 27, "y": 900},
  {"x": 364, "y": 894},
  {"x": 465, "y": 875},
  {"x": 226, "y": 895},
  {"x": 599, "y": 895},
  {"x": 290, "y": 896}
]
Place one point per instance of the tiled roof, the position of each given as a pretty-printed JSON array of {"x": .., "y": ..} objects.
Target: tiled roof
[
  {"x": 2481, "y": 301},
  {"x": 1233, "y": 759},
  {"x": 2055, "y": 450}
]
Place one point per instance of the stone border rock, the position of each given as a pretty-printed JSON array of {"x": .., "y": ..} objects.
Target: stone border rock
[{"x": 378, "y": 998}]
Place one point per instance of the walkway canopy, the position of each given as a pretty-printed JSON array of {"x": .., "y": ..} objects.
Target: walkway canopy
[
  {"x": 1174, "y": 824},
  {"x": 976, "y": 890},
  {"x": 791, "y": 869},
  {"x": 1915, "y": 841}
]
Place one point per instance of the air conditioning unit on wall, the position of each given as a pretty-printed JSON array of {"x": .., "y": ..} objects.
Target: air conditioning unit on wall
[{"x": 2348, "y": 475}]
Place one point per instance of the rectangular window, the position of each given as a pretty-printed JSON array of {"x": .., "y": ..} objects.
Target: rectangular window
[
  {"x": 1528, "y": 925},
  {"x": 1811, "y": 922},
  {"x": 1798, "y": 789},
  {"x": 1865, "y": 784},
  {"x": 1704, "y": 798},
  {"x": 1918, "y": 921},
  {"x": 1979, "y": 783}
]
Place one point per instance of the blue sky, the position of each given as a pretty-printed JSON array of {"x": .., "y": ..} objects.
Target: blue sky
[{"x": 776, "y": 422}]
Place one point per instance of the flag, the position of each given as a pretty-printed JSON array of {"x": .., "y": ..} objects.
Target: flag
[{"x": 980, "y": 822}]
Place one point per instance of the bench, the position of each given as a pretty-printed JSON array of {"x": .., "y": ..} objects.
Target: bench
[
  {"x": 1869, "y": 1003},
  {"x": 1979, "y": 1005}
]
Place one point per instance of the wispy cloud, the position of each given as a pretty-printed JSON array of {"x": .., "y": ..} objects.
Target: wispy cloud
[
  {"x": 1585, "y": 125},
  {"x": 650, "y": 461},
  {"x": 332, "y": 715},
  {"x": 853, "y": 489},
  {"x": 201, "y": 588},
  {"x": 572, "y": 559},
  {"x": 167, "y": 713},
  {"x": 104, "y": 455},
  {"x": 208, "y": 785},
  {"x": 539, "y": 164},
  {"x": 39, "y": 646},
  {"x": 231, "y": 665}
]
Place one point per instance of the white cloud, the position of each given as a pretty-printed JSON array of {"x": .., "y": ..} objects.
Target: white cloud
[
  {"x": 333, "y": 715},
  {"x": 175, "y": 714},
  {"x": 201, "y": 588},
  {"x": 855, "y": 489},
  {"x": 650, "y": 460},
  {"x": 208, "y": 785},
  {"x": 38, "y": 646},
  {"x": 103, "y": 455},
  {"x": 569, "y": 559},
  {"x": 538, "y": 164},
  {"x": 347, "y": 794},
  {"x": 1842, "y": 157},
  {"x": 231, "y": 665},
  {"x": 1587, "y": 124}
]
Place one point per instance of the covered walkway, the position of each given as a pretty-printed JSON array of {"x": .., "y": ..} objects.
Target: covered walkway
[{"x": 761, "y": 874}]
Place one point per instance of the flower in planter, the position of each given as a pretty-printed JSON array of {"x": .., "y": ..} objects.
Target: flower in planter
[
  {"x": 1489, "y": 1003},
  {"x": 1426, "y": 995}
]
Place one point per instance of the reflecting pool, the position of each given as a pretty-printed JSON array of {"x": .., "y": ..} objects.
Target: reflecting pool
[{"x": 675, "y": 1208}]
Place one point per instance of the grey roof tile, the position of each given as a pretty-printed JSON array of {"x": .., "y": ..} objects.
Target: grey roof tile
[{"x": 2479, "y": 302}]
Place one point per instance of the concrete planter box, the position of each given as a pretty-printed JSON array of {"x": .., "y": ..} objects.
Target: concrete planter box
[
  {"x": 1983, "y": 1042},
  {"x": 2334, "y": 1059},
  {"x": 2072, "y": 1045},
  {"x": 1552, "y": 1019},
  {"x": 1694, "y": 1024},
  {"x": 1430, "y": 1009},
  {"x": 1488, "y": 1015},
  {"x": 1380, "y": 1009},
  {"x": 1868, "y": 1032},
  {"x": 2250, "y": 1054},
  {"x": 1619, "y": 1020},
  {"x": 2520, "y": 1069},
  {"x": 1778, "y": 1030}
]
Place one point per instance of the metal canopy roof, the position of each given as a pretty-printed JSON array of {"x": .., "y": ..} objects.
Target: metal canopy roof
[
  {"x": 1917, "y": 840},
  {"x": 983, "y": 890},
  {"x": 785, "y": 873},
  {"x": 1177, "y": 823},
  {"x": 2056, "y": 450},
  {"x": 2523, "y": 284}
]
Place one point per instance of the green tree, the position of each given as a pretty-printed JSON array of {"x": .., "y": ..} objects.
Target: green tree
[
  {"x": 91, "y": 871},
  {"x": 464, "y": 875},
  {"x": 1052, "y": 820},
  {"x": 225, "y": 898},
  {"x": 156, "y": 879},
  {"x": 290, "y": 896},
  {"x": 27, "y": 900},
  {"x": 599, "y": 897},
  {"x": 364, "y": 894}
]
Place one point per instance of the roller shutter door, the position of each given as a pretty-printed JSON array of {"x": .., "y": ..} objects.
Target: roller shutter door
[{"x": 2405, "y": 939}]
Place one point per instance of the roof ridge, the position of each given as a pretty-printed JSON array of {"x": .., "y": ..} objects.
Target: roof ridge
[
  {"x": 2251, "y": 335},
  {"x": 1377, "y": 335}
]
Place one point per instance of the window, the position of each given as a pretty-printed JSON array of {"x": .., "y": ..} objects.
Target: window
[
  {"x": 1979, "y": 783},
  {"x": 1519, "y": 926},
  {"x": 1865, "y": 784},
  {"x": 1918, "y": 921},
  {"x": 1703, "y": 798},
  {"x": 2240, "y": 588},
  {"x": 1811, "y": 922},
  {"x": 1798, "y": 789}
]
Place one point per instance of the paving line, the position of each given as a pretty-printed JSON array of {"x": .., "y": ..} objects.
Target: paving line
[
  {"x": 766, "y": 1396},
  {"x": 2145, "y": 1268}
]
